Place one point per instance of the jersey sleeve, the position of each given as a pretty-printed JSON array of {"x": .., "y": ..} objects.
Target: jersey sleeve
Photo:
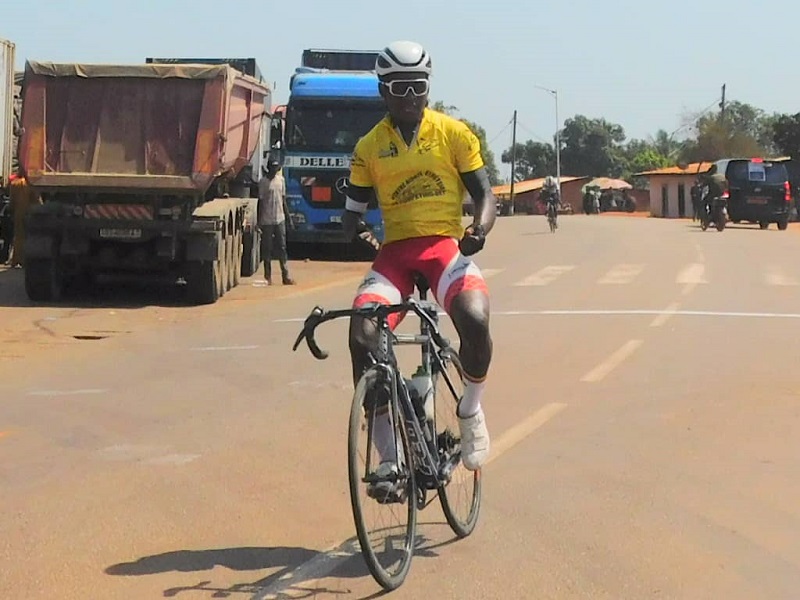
[
  {"x": 359, "y": 165},
  {"x": 467, "y": 148}
]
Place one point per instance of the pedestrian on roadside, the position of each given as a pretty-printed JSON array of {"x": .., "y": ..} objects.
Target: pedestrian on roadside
[{"x": 272, "y": 213}]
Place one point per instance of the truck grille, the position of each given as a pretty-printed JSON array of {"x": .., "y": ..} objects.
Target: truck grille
[{"x": 119, "y": 212}]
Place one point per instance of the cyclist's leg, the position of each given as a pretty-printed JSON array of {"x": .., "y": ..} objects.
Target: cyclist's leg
[
  {"x": 462, "y": 292},
  {"x": 385, "y": 283}
]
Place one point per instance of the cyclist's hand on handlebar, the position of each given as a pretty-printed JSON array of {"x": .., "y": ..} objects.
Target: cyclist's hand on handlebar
[
  {"x": 369, "y": 238},
  {"x": 473, "y": 241}
]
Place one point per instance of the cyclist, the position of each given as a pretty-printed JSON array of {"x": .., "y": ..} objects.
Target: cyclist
[
  {"x": 550, "y": 196},
  {"x": 418, "y": 163}
]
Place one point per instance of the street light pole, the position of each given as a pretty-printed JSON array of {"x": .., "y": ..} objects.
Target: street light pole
[{"x": 558, "y": 136}]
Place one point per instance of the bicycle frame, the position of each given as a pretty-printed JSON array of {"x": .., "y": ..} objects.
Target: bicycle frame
[{"x": 427, "y": 462}]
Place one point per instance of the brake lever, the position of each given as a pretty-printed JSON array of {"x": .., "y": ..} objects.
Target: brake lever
[{"x": 310, "y": 324}]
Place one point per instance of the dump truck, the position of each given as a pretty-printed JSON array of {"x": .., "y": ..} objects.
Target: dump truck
[
  {"x": 7, "y": 131},
  {"x": 141, "y": 168}
]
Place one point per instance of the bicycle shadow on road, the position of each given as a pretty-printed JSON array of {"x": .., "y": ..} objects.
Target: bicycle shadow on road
[
  {"x": 285, "y": 559},
  {"x": 431, "y": 537}
]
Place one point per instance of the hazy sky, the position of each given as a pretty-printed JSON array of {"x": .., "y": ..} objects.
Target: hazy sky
[{"x": 638, "y": 64}]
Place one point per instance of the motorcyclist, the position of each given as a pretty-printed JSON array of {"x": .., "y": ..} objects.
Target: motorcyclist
[{"x": 716, "y": 186}]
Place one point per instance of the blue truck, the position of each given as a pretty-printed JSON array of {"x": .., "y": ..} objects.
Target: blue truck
[{"x": 333, "y": 101}]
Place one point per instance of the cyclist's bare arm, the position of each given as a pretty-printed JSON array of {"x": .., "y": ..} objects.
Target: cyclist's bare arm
[
  {"x": 478, "y": 186},
  {"x": 358, "y": 198}
]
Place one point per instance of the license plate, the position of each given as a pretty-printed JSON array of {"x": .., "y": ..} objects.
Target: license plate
[
  {"x": 757, "y": 200},
  {"x": 121, "y": 234},
  {"x": 336, "y": 218}
]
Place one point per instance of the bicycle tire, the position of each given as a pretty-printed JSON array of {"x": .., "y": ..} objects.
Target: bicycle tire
[
  {"x": 462, "y": 527},
  {"x": 387, "y": 580}
]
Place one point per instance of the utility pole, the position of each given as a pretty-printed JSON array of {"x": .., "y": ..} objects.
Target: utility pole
[
  {"x": 558, "y": 146},
  {"x": 722, "y": 105},
  {"x": 513, "y": 157},
  {"x": 554, "y": 93}
]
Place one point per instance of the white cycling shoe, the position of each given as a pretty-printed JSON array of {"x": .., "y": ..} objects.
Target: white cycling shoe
[{"x": 474, "y": 440}]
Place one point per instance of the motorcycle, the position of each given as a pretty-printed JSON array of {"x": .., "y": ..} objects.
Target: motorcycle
[{"x": 715, "y": 210}]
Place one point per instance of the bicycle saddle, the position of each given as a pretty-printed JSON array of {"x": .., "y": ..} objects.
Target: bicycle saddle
[{"x": 421, "y": 283}]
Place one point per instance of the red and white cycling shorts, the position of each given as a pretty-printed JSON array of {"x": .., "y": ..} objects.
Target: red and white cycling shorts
[{"x": 437, "y": 258}]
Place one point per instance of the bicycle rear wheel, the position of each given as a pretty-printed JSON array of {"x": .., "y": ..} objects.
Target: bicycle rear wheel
[
  {"x": 461, "y": 495},
  {"x": 386, "y": 522}
]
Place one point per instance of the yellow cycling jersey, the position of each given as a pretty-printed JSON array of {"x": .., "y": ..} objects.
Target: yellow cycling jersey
[{"x": 419, "y": 189}]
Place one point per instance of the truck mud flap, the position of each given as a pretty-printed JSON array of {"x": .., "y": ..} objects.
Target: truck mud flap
[{"x": 202, "y": 246}]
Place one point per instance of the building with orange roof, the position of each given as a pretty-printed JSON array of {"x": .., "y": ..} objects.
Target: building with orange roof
[
  {"x": 526, "y": 193},
  {"x": 670, "y": 189}
]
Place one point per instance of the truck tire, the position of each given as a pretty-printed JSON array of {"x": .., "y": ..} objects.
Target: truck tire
[
  {"x": 249, "y": 254},
  {"x": 206, "y": 280},
  {"x": 237, "y": 257},
  {"x": 231, "y": 262},
  {"x": 202, "y": 282},
  {"x": 43, "y": 280},
  {"x": 783, "y": 223}
]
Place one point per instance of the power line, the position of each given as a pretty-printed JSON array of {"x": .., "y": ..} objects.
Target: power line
[
  {"x": 544, "y": 141},
  {"x": 500, "y": 133}
]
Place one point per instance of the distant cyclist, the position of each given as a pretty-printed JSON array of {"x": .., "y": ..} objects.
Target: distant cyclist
[
  {"x": 551, "y": 197},
  {"x": 419, "y": 163}
]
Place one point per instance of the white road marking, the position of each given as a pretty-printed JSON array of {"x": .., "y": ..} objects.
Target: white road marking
[
  {"x": 520, "y": 431},
  {"x": 329, "y": 560},
  {"x": 689, "y": 313},
  {"x": 774, "y": 275},
  {"x": 621, "y": 274},
  {"x": 545, "y": 276},
  {"x": 487, "y": 273},
  {"x": 666, "y": 315},
  {"x": 669, "y": 311},
  {"x": 132, "y": 452},
  {"x": 152, "y": 455},
  {"x": 612, "y": 362},
  {"x": 82, "y": 392},
  {"x": 173, "y": 459},
  {"x": 691, "y": 276},
  {"x": 223, "y": 348}
]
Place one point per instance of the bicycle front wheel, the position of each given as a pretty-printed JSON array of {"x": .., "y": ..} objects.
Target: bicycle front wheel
[
  {"x": 383, "y": 501},
  {"x": 461, "y": 495}
]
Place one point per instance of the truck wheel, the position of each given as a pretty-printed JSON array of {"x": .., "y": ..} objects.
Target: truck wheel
[
  {"x": 222, "y": 266},
  {"x": 763, "y": 224},
  {"x": 43, "y": 280},
  {"x": 237, "y": 257},
  {"x": 783, "y": 223},
  {"x": 231, "y": 262},
  {"x": 202, "y": 282},
  {"x": 249, "y": 254}
]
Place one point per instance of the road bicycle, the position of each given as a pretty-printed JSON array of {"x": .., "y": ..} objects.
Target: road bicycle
[
  {"x": 552, "y": 217},
  {"x": 427, "y": 445}
]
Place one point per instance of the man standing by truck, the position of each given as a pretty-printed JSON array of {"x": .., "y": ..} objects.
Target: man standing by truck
[{"x": 272, "y": 221}]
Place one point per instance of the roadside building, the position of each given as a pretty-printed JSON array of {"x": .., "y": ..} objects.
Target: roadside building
[{"x": 670, "y": 189}]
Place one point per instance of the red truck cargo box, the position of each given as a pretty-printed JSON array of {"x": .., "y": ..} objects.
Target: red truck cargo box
[{"x": 142, "y": 127}]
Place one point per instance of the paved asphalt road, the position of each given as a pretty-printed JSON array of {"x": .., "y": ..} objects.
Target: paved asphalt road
[{"x": 643, "y": 404}]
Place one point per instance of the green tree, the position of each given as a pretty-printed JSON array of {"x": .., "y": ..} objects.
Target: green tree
[
  {"x": 533, "y": 159},
  {"x": 786, "y": 134},
  {"x": 592, "y": 147},
  {"x": 480, "y": 132},
  {"x": 742, "y": 130}
]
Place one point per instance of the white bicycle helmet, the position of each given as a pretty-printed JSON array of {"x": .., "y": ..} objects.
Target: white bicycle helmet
[{"x": 403, "y": 57}]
